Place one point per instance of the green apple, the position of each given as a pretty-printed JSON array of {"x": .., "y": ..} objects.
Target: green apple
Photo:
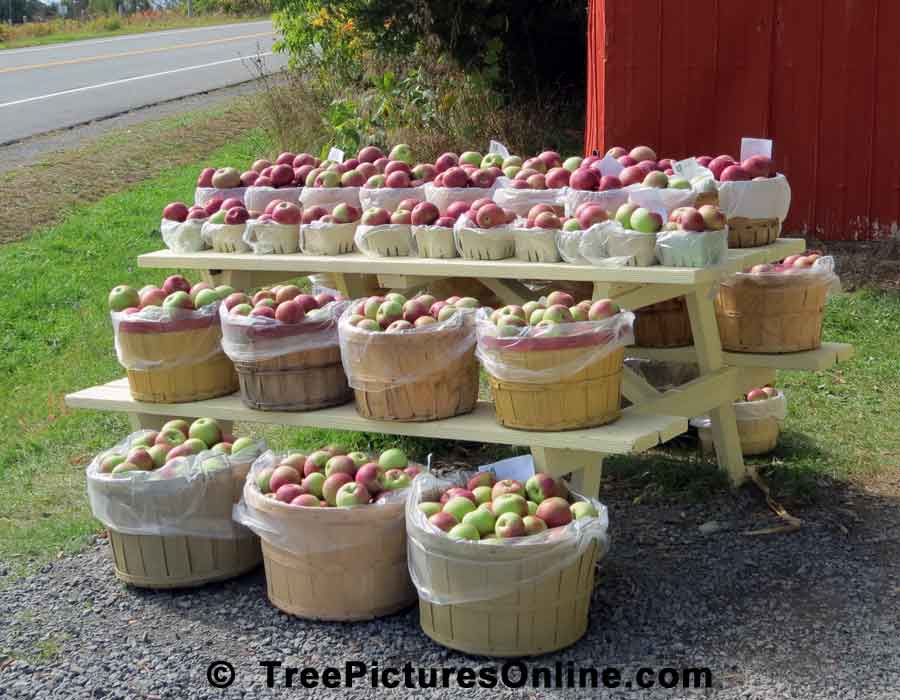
[
  {"x": 572, "y": 163},
  {"x": 624, "y": 212},
  {"x": 158, "y": 453},
  {"x": 529, "y": 307},
  {"x": 223, "y": 448},
  {"x": 359, "y": 458},
  {"x": 205, "y": 297},
  {"x": 123, "y": 297},
  {"x": 509, "y": 525},
  {"x": 223, "y": 290},
  {"x": 393, "y": 458},
  {"x": 492, "y": 160},
  {"x": 536, "y": 317},
  {"x": 110, "y": 462},
  {"x": 217, "y": 218},
  {"x": 458, "y": 507},
  {"x": 470, "y": 158},
  {"x": 483, "y": 521},
  {"x": 403, "y": 152},
  {"x": 540, "y": 486},
  {"x": 125, "y": 469},
  {"x": 679, "y": 183},
  {"x": 207, "y": 430},
  {"x": 532, "y": 508},
  {"x": 646, "y": 221},
  {"x": 533, "y": 525},
  {"x": 578, "y": 313},
  {"x": 241, "y": 444},
  {"x": 241, "y": 310},
  {"x": 464, "y": 531},
  {"x": 314, "y": 483},
  {"x": 262, "y": 479},
  {"x": 510, "y": 503},
  {"x": 396, "y": 479},
  {"x": 178, "y": 300},
  {"x": 482, "y": 494},
  {"x": 429, "y": 508},
  {"x": 583, "y": 509},
  {"x": 512, "y": 162},
  {"x": 572, "y": 224},
  {"x": 352, "y": 494}
]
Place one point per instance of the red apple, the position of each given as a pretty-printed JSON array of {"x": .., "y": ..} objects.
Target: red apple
[
  {"x": 583, "y": 179},
  {"x": 176, "y": 211}
]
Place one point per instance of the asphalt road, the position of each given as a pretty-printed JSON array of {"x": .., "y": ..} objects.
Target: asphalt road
[{"x": 51, "y": 87}]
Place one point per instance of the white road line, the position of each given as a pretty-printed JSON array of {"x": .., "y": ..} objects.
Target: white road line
[
  {"x": 128, "y": 80},
  {"x": 146, "y": 35}
]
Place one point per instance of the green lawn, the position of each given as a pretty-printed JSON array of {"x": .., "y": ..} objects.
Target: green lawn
[{"x": 56, "y": 338}]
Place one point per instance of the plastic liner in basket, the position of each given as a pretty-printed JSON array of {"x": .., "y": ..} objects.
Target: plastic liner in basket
[
  {"x": 254, "y": 338},
  {"x": 187, "y": 496},
  {"x": 329, "y": 197},
  {"x": 654, "y": 198},
  {"x": 596, "y": 338},
  {"x": 323, "y": 238},
  {"x": 822, "y": 271},
  {"x": 449, "y": 341},
  {"x": 273, "y": 530},
  {"x": 183, "y": 236},
  {"x": 663, "y": 375},
  {"x": 521, "y": 201},
  {"x": 443, "y": 197},
  {"x": 269, "y": 237},
  {"x": 389, "y": 197},
  {"x": 775, "y": 407},
  {"x": 434, "y": 241},
  {"x": 587, "y": 247},
  {"x": 225, "y": 238},
  {"x": 506, "y": 565},
  {"x": 385, "y": 240},
  {"x": 256, "y": 199},
  {"x": 756, "y": 199},
  {"x": 692, "y": 248},
  {"x": 203, "y": 194},
  {"x": 139, "y": 345},
  {"x": 610, "y": 200}
]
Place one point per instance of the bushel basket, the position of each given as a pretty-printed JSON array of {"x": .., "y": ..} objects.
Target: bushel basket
[
  {"x": 752, "y": 233},
  {"x": 665, "y": 324}
]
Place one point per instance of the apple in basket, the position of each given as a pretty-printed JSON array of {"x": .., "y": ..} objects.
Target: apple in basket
[
  {"x": 554, "y": 511},
  {"x": 482, "y": 520},
  {"x": 486, "y": 478},
  {"x": 443, "y": 521},
  {"x": 510, "y": 503},
  {"x": 509, "y": 525},
  {"x": 507, "y": 486},
  {"x": 752, "y": 395},
  {"x": 332, "y": 485},
  {"x": 287, "y": 213},
  {"x": 457, "y": 491},
  {"x": 371, "y": 475},
  {"x": 314, "y": 483},
  {"x": 352, "y": 494},
  {"x": 540, "y": 486},
  {"x": 396, "y": 479},
  {"x": 583, "y": 509}
]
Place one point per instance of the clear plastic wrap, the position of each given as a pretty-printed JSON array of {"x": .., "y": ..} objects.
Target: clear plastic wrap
[
  {"x": 192, "y": 496},
  {"x": 224, "y": 238},
  {"x": 692, "y": 248},
  {"x": 310, "y": 530},
  {"x": 592, "y": 340},
  {"x": 203, "y": 194},
  {"x": 385, "y": 240},
  {"x": 610, "y": 200},
  {"x": 443, "y": 197},
  {"x": 629, "y": 248},
  {"x": 389, "y": 197},
  {"x": 656, "y": 198},
  {"x": 256, "y": 199},
  {"x": 521, "y": 201},
  {"x": 329, "y": 197},
  {"x": 268, "y": 237},
  {"x": 160, "y": 337},
  {"x": 663, "y": 375},
  {"x": 183, "y": 236},
  {"x": 475, "y": 243},
  {"x": 775, "y": 407},
  {"x": 587, "y": 247},
  {"x": 756, "y": 199},
  {"x": 434, "y": 241},
  {"x": 254, "y": 338},
  {"x": 369, "y": 356},
  {"x": 493, "y": 569},
  {"x": 322, "y": 238}
]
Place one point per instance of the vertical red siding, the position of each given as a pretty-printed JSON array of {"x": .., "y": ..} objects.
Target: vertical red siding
[{"x": 690, "y": 77}]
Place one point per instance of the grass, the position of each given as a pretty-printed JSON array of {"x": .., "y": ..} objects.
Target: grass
[
  {"x": 55, "y": 337},
  {"x": 59, "y": 31},
  {"x": 48, "y": 191}
]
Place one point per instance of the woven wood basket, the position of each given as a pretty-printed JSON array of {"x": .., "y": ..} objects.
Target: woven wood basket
[
  {"x": 381, "y": 389},
  {"x": 665, "y": 324},
  {"x": 180, "y": 379},
  {"x": 588, "y": 398},
  {"x": 435, "y": 242},
  {"x": 771, "y": 316},
  {"x": 537, "y": 245},
  {"x": 476, "y": 245},
  {"x": 336, "y": 239},
  {"x": 752, "y": 233},
  {"x": 355, "y": 569},
  {"x": 758, "y": 436},
  {"x": 543, "y": 615},
  {"x": 176, "y": 561},
  {"x": 298, "y": 381}
]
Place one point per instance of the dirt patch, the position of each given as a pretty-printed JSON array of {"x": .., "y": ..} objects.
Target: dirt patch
[
  {"x": 865, "y": 263},
  {"x": 41, "y": 194}
]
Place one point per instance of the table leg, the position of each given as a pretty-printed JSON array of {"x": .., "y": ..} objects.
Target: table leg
[
  {"x": 586, "y": 467},
  {"x": 355, "y": 286},
  {"x": 148, "y": 421},
  {"x": 708, "y": 347}
]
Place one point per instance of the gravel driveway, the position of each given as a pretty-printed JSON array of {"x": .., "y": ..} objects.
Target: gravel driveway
[{"x": 813, "y": 614}]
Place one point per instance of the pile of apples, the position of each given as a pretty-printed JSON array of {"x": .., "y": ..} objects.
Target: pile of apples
[
  {"x": 641, "y": 220},
  {"x": 548, "y": 319},
  {"x": 288, "y": 170},
  {"x": 482, "y": 213},
  {"x": 396, "y": 170},
  {"x": 278, "y": 211},
  {"x": 789, "y": 264},
  {"x": 761, "y": 394},
  {"x": 542, "y": 172},
  {"x": 547, "y": 216},
  {"x": 726, "y": 169},
  {"x": 394, "y": 313},
  {"x": 286, "y": 303},
  {"x": 468, "y": 169},
  {"x": 156, "y": 450},
  {"x": 342, "y": 213},
  {"x": 332, "y": 477},
  {"x": 489, "y": 510},
  {"x": 410, "y": 211},
  {"x": 216, "y": 210},
  {"x": 177, "y": 292}
]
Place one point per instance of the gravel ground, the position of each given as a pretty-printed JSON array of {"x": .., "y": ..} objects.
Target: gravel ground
[{"x": 812, "y": 614}]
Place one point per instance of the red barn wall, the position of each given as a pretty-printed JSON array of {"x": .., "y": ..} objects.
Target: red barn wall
[{"x": 819, "y": 77}]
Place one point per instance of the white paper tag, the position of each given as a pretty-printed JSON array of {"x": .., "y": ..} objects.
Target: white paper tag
[
  {"x": 336, "y": 154},
  {"x": 610, "y": 166},
  {"x": 519, "y": 468},
  {"x": 755, "y": 147},
  {"x": 688, "y": 168},
  {"x": 498, "y": 148}
]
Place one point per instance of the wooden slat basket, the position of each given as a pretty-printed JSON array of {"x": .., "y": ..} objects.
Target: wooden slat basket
[
  {"x": 665, "y": 324},
  {"x": 174, "y": 345},
  {"x": 752, "y": 233},
  {"x": 757, "y": 437},
  {"x": 772, "y": 314},
  {"x": 351, "y": 564},
  {"x": 443, "y": 362}
]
